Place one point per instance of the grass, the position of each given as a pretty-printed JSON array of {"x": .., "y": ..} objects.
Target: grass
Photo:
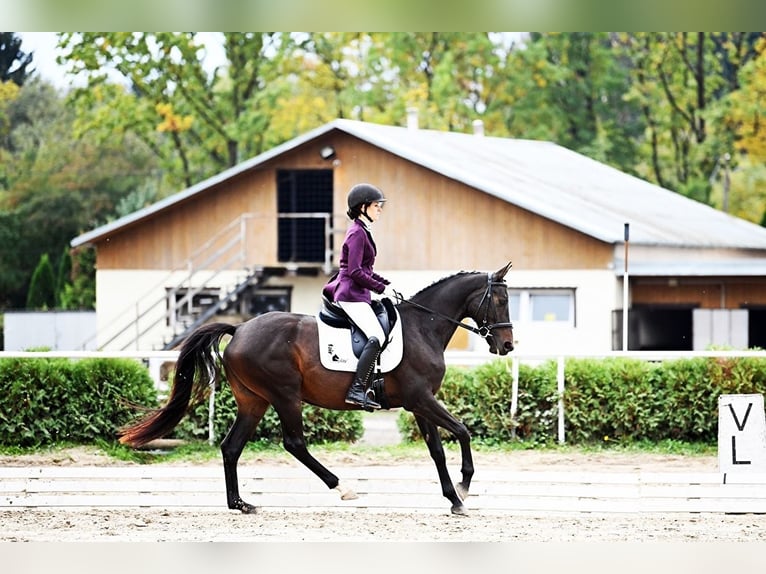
[{"x": 201, "y": 452}]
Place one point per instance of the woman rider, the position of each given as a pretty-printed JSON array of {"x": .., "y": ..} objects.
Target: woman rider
[{"x": 351, "y": 287}]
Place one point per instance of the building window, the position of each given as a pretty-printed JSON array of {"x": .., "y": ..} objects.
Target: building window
[
  {"x": 543, "y": 305},
  {"x": 305, "y": 205}
]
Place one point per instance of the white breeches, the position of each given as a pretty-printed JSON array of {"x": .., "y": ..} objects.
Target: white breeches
[{"x": 364, "y": 317}]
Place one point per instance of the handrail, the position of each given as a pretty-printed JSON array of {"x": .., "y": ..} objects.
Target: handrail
[
  {"x": 189, "y": 264},
  {"x": 202, "y": 261}
]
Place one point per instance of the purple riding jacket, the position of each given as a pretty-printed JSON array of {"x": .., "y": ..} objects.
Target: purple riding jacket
[{"x": 356, "y": 278}]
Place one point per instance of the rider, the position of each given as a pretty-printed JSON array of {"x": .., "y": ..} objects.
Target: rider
[{"x": 351, "y": 287}]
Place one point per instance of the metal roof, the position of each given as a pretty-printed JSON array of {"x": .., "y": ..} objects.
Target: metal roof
[
  {"x": 542, "y": 177},
  {"x": 695, "y": 268}
]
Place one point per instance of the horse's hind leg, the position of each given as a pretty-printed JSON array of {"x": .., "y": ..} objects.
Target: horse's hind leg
[
  {"x": 294, "y": 441},
  {"x": 454, "y": 494},
  {"x": 231, "y": 448}
]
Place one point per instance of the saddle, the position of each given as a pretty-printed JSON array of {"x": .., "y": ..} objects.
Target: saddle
[{"x": 334, "y": 316}]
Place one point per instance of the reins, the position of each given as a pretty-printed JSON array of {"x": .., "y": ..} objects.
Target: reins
[{"x": 485, "y": 330}]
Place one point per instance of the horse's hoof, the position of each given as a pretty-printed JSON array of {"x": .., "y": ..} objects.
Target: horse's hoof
[
  {"x": 459, "y": 510},
  {"x": 461, "y": 490},
  {"x": 243, "y": 507},
  {"x": 248, "y": 508},
  {"x": 346, "y": 493}
]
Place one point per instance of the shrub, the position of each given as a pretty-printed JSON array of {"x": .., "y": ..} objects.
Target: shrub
[
  {"x": 45, "y": 401},
  {"x": 609, "y": 400}
]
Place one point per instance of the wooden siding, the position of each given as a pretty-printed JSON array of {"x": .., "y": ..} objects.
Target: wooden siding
[
  {"x": 430, "y": 223},
  {"x": 707, "y": 293}
]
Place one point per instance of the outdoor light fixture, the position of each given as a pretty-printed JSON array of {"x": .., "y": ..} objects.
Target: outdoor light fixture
[{"x": 327, "y": 152}]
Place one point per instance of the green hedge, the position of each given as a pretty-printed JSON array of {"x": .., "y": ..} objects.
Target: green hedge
[
  {"x": 45, "y": 401},
  {"x": 622, "y": 400}
]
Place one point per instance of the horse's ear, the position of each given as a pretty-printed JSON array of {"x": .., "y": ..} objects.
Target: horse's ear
[{"x": 500, "y": 273}]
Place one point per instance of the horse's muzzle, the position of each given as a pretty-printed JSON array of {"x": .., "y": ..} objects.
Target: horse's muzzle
[{"x": 506, "y": 348}]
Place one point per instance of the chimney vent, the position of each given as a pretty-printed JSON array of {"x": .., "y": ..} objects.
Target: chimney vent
[{"x": 412, "y": 118}]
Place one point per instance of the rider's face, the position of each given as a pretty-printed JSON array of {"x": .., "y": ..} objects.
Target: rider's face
[{"x": 374, "y": 210}]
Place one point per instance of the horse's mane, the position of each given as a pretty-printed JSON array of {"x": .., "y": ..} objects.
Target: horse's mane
[{"x": 440, "y": 281}]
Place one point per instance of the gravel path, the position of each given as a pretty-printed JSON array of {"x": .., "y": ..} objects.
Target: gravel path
[{"x": 369, "y": 525}]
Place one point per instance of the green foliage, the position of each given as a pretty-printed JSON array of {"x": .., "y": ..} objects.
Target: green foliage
[
  {"x": 606, "y": 402},
  {"x": 13, "y": 61},
  {"x": 63, "y": 276},
  {"x": 79, "y": 290},
  {"x": 481, "y": 399},
  {"x": 42, "y": 288},
  {"x": 46, "y": 401}
]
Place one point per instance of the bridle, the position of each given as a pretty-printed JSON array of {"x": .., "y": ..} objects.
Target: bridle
[{"x": 486, "y": 328}]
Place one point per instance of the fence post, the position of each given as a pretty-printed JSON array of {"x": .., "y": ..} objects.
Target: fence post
[
  {"x": 560, "y": 384},
  {"x": 514, "y": 391},
  {"x": 211, "y": 416}
]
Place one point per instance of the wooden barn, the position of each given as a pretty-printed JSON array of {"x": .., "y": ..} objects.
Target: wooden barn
[{"x": 265, "y": 235}]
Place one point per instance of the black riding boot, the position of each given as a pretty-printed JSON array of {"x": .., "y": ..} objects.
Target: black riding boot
[{"x": 357, "y": 393}]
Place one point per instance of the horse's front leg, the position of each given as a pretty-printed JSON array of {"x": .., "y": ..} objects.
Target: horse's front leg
[{"x": 457, "y": 493}]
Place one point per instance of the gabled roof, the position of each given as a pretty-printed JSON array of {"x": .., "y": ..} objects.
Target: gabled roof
[{"x": 541, "y": 177}]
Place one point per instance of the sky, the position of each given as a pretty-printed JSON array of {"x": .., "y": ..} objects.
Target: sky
[{"x": 43, "y": 45}]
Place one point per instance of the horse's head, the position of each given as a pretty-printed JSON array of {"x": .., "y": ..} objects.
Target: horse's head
[{"x": 492, "y": 314}]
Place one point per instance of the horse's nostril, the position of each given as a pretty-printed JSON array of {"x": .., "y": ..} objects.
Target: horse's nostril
[{"x": 508, "y": 346}]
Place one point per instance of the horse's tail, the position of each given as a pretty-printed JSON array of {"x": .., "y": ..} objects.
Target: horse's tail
[{"x": 198, "y": 364}]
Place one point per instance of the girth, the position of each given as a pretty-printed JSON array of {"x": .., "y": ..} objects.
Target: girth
[{"x": 334, "y": 316}]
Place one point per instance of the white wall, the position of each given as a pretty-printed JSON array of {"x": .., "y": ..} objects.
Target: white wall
[
  {"x": 594, "y": 303},
  {"x": 595, "y": 299},
  {"x": 55, "y": 330}
]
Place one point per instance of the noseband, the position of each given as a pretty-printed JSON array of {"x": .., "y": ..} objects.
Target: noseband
[{"x": 486, "y": 328}]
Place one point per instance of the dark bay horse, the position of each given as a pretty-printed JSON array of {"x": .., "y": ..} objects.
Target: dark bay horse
[{"x": 273, "y": 359}]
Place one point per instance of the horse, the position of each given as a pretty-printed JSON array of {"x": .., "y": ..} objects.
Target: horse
[{"x": 273, "y": 359}]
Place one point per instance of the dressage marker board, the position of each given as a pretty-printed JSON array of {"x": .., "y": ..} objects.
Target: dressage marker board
[
  {"x": 741, "y": 434},
  {"x": 396, "y": 488}
]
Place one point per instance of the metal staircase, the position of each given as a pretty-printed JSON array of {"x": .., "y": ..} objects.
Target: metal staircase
[
  {"x": 221, "y": 268},
  {"x": 210, "y": 312},
  {"x": 153, "y": 319}
]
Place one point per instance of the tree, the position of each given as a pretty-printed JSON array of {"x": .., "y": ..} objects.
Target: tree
[
  {"x": 79, "y": 292},
  {"x": 196, "y": 122},
  {"x": 56, "y": 185},
  {"x": 13, "y": 61},
  {"x": 678, "y": 80},
  {"x": 42, "y": 288},
  {"x": 63, "y": 276},
  {"x": 580, "y": 79}
]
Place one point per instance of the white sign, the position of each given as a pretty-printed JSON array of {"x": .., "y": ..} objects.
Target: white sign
[{"x": 741, "y": 434}]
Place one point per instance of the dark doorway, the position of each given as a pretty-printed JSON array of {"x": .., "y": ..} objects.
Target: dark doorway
[
  {"x": 303, "y": 191},
  {"x": 656, "y": 328},
  {"x": 756, "y": 327},
  {"x": 266, "y": 299}
]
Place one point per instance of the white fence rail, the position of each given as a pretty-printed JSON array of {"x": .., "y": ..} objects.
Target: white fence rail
[{"x": 453, "y": 358}]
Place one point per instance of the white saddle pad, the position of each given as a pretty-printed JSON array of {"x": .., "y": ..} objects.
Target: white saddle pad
[{"x": 336, "y": 353}]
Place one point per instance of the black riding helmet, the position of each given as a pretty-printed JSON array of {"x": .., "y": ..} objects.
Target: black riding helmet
[{"x": 362, "y": 194}]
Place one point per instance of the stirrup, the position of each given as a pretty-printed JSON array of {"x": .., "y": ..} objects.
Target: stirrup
[{"x": 366, "y": 401}]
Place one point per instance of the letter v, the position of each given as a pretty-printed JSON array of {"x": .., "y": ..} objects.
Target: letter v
[{"x": 741, "y": 427}]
